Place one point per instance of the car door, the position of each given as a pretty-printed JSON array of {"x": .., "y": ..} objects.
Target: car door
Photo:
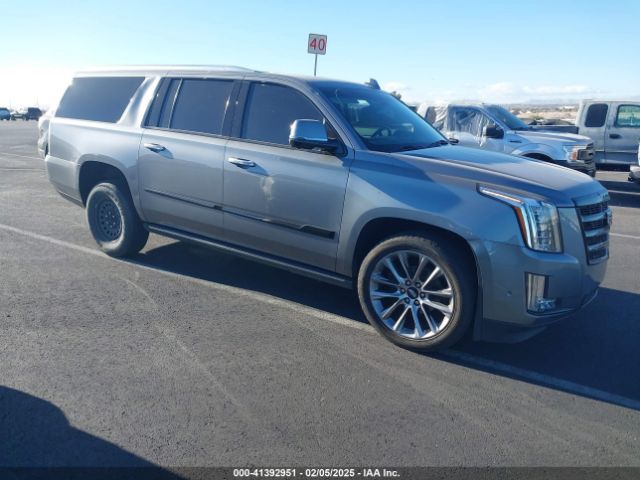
[
  {"x": 277, "y": 199},
  {"x": 182, "y": 154},
  {"x": 594, "y": 127},
  {"x": 623, "y": 131}
]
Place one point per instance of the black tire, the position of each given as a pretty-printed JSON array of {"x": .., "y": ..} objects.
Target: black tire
[
  {"x": 459, "y": 272},
  {"x": 113, "y": 220}
]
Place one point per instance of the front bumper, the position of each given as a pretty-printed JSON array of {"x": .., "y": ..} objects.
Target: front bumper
[
  {"x": 585, "y": 167},
  {"x": 503, "y": 269},
  {"x": 634, "y": 174}
]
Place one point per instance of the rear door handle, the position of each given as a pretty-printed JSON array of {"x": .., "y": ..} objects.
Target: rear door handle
[
  {"x": 241, "y": 162},
  {"x": 615, "y": 135},
  {"x": 154, "y": 147}
]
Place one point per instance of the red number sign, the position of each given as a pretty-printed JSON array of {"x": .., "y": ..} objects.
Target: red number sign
[{"x": 317, "y": 44}]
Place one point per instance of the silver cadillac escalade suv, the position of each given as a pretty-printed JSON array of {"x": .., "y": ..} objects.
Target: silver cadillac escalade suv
[{"x": 338, "y": 181}]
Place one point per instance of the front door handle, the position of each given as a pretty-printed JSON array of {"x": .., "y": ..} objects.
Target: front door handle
[
  {"x": 615, "y": 135},
  {"x": 241, "y": 162},
  {"x": 155, "y": 147}
]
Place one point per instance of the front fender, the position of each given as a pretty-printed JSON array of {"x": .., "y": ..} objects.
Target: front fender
[
  {"x": 449, "y": 203},
  {"x": 540, "y": 149}
]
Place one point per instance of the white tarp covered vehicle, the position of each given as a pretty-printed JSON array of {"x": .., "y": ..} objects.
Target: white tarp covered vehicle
[{"x": 492, "y": 127}]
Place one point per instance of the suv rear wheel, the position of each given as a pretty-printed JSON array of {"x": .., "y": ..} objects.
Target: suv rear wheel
[
  {"x": 113, "y": 220},
  {"x": 418, "y": 291}
]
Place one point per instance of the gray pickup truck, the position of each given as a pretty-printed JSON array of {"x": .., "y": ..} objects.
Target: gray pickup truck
[
  {"x": 614, "y": 127},
  {"x": 492, "y": 127},
  {"x": 337, "y": 181}
]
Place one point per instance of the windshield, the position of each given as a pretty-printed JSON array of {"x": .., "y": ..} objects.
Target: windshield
[
  {"x": 384, "y": 123},
  {"x": 509, "y": 119}
]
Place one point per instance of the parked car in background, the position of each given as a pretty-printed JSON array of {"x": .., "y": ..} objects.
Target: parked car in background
[
  {"x": 492, "y": 127},
  {"x": 338, "y": 181},
  {"x": 31, "y": 113},
  {"x": 5, "y": 114},
  {"x": 634, "y": 173},
  {"x": 43, "y": 133},
  {"x": 554, "y": 125},
  {"x": 18, "y": 114},
  {"x": 614, "y": 127}
]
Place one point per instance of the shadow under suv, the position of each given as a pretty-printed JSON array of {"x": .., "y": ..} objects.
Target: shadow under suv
[{"x": 338, "y": 181}]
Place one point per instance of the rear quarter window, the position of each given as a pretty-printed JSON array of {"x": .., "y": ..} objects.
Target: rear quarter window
[
  {"x": 596, "y": 115},
  {"x": 201, "y": 106},
  {"x": 101, "y": 99}
]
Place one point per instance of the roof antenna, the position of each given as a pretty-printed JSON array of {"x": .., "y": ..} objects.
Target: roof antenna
[{"x": 373, "y": 83}]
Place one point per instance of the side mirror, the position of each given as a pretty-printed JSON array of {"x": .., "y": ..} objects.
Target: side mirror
[
  {"x": 493, "y": 131},
  {"x": 311, "y": 134}
]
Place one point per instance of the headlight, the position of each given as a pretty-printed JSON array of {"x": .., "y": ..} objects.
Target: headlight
[
  {"x": 538, "y": 220},
  {"x": 572, "y": 152}
]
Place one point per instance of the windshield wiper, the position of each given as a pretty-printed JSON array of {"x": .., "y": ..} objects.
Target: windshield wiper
[{"x": 438, "y": 143}]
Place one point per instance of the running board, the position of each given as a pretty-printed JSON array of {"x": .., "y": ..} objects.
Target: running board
[{"x": 273, "y": 261}]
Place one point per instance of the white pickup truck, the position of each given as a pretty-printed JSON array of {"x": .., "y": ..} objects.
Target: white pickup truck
[
  {"x": 492, "y": 127},
  {"x": 614, "y": 127}
]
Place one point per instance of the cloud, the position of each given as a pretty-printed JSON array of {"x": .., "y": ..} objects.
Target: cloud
[
  {"x": 511, "y": 92},
  {"x": 499, "y": 92},
  {"x": 408, "y": 94},
  {"x": 559, "y": 90}
]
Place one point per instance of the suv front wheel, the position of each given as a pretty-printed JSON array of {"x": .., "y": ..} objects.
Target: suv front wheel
[
  {"x": 114, "y": 222},
  {"x": 418, "y": 291}
]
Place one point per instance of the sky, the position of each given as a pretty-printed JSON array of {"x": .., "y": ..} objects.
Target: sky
[{"x": 503, "y": 51}]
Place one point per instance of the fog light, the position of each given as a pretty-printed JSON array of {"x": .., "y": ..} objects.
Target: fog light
[{"x": 537, "y": 301}]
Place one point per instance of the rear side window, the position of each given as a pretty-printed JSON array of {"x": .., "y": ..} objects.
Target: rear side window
[
  {"x": 270, "y": 111},
  {"x": 201, "y": 105},
  {"x": 596, "y": 115},
  {"x": 101, "y": 99},
  {"x": 628, "y": 116}
]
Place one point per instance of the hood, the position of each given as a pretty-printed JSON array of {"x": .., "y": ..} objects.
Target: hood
[
  {"x": 560, "y": 185},
  {"x": 537, "y": 136}
]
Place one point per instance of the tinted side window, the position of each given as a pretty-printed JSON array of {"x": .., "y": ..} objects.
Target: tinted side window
[
  {"x": 596, "y": 115},
  {"x": 270, "y": 111},
  {"x": 159, "y": 100},
  {"x": 201, "y": 105},
  {"x": 628, "y": 116},
  {"x": 168, "y": 102},
  {"x": 102, "y": 99}
]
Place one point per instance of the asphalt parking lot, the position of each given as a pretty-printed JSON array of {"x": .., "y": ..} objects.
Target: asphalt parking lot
[{"x": 185, "y": 357}]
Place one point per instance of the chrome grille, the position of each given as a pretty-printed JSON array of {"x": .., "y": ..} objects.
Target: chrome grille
[{"x": 595, "y": 219}]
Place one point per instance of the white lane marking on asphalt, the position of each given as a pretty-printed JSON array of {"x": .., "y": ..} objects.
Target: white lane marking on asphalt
[
  {"x": 23, "y": 169},
  {"x": 624, "y": 192},
  {"x": 491, "y": 365},
  {"x": 21, "y": 156},
  {"x": 543, "y": 379},
  {"x": 263, "y": 297},
  {"x": 622, "y": 235}
]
